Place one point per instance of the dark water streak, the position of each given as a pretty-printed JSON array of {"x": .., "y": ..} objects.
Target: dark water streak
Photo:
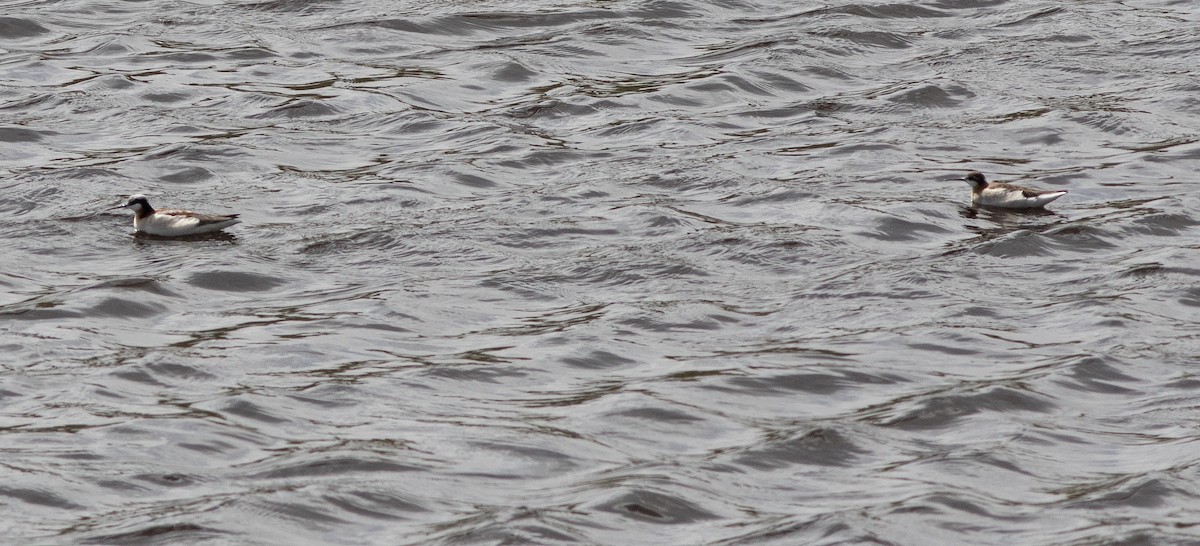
[{"x": 617, "y": 272}]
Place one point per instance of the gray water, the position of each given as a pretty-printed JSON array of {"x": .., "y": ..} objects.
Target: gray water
[{"x": 607, "y": 272}]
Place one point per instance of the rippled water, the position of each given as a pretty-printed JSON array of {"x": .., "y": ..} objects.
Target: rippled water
[{"x": 613, "y": 272}]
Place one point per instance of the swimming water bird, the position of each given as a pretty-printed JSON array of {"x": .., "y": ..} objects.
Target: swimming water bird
[
  {"x": 999, "y": 194},
  {"x": 173, "y": 223}
]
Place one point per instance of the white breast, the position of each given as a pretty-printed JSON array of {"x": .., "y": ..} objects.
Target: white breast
[
  {"x": 1013, "y": 198},
  {"x": 174, "y": 225}
]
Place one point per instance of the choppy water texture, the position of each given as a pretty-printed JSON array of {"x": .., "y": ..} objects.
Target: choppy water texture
[{"x": 611, "y": 272}]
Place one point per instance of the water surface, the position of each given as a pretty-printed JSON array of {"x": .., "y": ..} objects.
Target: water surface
[{"x": 610, "y": 272}]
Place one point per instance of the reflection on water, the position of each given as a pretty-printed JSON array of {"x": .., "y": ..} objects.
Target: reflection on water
[{"x": 622, "y": 272}]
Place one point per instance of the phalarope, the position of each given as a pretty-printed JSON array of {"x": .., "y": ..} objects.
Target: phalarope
[
  {"x": 999, "y": 194},
  {"x": 173, "y": 223}
]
